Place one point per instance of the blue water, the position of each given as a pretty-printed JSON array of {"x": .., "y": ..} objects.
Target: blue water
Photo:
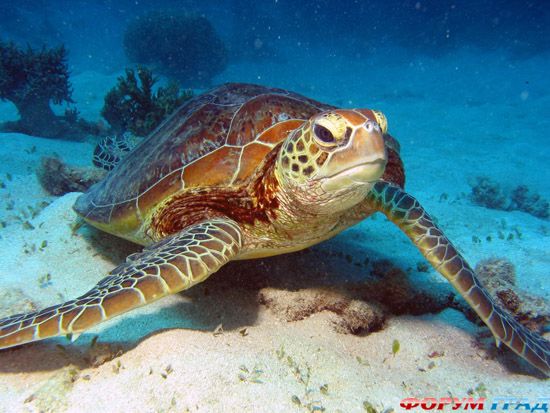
[
  {"x": 92, "y": 30},
  {"x": 464, "y": 85}
]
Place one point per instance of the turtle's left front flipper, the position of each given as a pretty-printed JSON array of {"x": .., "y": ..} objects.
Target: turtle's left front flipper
[
  {"x": 167, "y": 267},
  {"x": 112, "y": 149},
  {"x": 406, "y": 212}
]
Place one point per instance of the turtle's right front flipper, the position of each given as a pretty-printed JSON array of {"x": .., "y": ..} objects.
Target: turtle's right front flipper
[
  {"x": 406, "y": 212},
  {"x": 167, "y": 267}
]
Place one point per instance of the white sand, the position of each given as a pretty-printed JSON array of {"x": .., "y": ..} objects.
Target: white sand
[{"x": 451, "y": 128}]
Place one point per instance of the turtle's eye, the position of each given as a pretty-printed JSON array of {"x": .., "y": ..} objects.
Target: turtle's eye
[{"x": 323, "y": 134}]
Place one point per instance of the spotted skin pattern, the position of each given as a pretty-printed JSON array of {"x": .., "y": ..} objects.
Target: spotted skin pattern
[
  {"x": 301, "y": 157},
  {"x": 405, "y": 211},
  {"x": 174, "y": 264}
]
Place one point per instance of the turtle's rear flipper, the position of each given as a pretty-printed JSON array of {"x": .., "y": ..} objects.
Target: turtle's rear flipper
[
  {"x": 408, "y": 214},
  {"x": 112, "y": 149},
  {"x": 167, "y": 267}
]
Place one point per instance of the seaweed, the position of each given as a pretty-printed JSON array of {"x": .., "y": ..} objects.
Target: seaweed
[
  {"x": 133, "y": 105},
  {"x": 395, "y": 347},
  {"x": 253, "y": 375},
  {"x": 302, "y": 374},
  {"x": 180, "y": 45},
  {"x": 368, "y": 407}
]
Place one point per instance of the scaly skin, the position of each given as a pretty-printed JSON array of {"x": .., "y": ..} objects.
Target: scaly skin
[
  {"x": 331, "y": 172},
  {"x": 174, "y": 264},
  {"x": 405, "y": 211}
]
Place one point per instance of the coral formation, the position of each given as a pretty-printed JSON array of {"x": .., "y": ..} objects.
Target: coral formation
[
  {"x": 360, "y": 317},
  {"x": 356, "y": 307},
  {"x": 498, "y": 275},
  {"x": 350, "y": 315},
  {"x": 490, "y": 194},
  {"x": 180, "y": 45},
  {"x": 58, "y": 178},
  {"x": 133, "y": 106},
  {"x": 394, "y": 290},
  {"x": 31, "y": 79},
  {"x": 523, "y": 200}
]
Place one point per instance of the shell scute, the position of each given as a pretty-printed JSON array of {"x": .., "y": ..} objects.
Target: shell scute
[
  {"x": 214, "y": 140},
  {"x": 215, "y": 169},
  {"x": 262, "y": 112}
]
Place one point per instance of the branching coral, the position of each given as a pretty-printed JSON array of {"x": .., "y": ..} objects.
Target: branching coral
[
  {"x": 179, "y": 45},
  {"x": 32, "y": 79},
  {"x": 133, "y": 106}
]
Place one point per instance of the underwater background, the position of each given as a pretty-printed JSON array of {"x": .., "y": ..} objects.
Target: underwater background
[{"x": 465, "y": 88}]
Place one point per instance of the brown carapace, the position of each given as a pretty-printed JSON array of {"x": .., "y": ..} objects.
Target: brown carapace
[{"x": 247, "y": 171}]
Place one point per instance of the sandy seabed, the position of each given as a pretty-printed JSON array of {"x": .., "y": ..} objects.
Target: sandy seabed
[{"x": 217, "y": 348}]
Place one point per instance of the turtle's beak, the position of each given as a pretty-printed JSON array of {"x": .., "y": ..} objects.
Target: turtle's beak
[{"x": 361, "y": 161}]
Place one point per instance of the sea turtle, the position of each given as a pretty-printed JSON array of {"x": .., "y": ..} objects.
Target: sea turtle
[{"x": 246, "y": 171}]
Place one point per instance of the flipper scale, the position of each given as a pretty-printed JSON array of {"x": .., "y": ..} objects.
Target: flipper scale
[
  {"x": 143, "y": 279},
  {"x": 407, "y": 213}
]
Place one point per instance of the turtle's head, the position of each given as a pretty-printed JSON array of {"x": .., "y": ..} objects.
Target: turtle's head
[{"x": 335, "y": 157}]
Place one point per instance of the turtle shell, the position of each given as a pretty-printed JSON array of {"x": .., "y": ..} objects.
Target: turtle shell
[{"x": 216, "y": 139}]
